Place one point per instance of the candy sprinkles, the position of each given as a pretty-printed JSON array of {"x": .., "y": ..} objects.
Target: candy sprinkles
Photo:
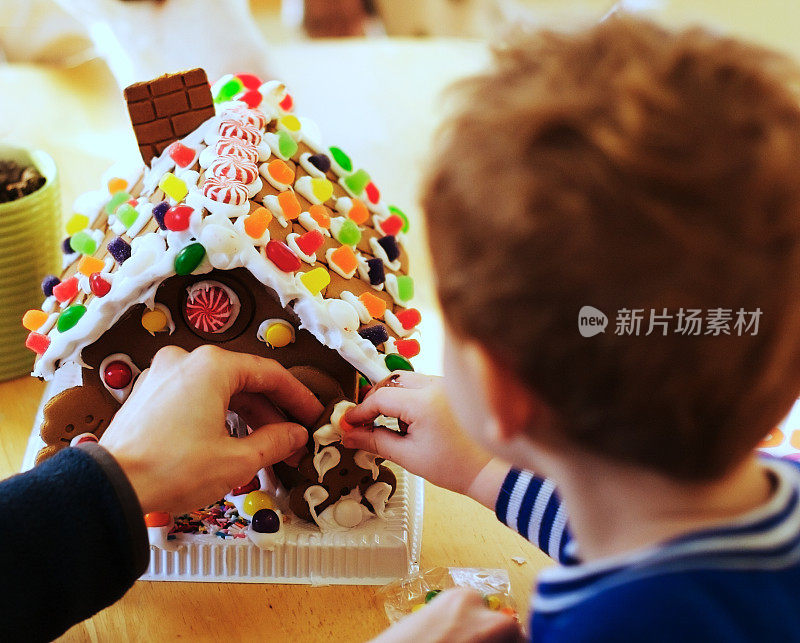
[{"x": 251, "y": 193}]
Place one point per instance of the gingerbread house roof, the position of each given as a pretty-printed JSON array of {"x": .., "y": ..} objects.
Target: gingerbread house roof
[{"x": 232, "y": 178}]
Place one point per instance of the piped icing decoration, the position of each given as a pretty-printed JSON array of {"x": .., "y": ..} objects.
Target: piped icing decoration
[
  {"x": 281, "y": 144},
  {"x": 316, "y": 218},
  {"x": 403, "y": 322},
  {"x": 366, "y": 460},
  {"x": 377, "y": 494},
  {"x": 400, "y": 287},
  {"x": 345, "y": 513},
  {"x": 315, "y": 495},
  {"x": 358, "y": 305},
  {"x": 342, "y": 260},
  {"x": 266, "y": 529},
  {"x": 315, "y": 190},
  {"x": 292, "y": 240},
  {"x": 353, "y": 209},
  {"x": 276, "y": 333},
  {"x": 316, "y": 165},
  {"x": 326, "y": 459}
]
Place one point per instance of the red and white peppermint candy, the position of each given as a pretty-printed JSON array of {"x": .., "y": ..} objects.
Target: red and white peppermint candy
[
  {"x": 225, "y": 190},
  {"x": 252, "y": 117},
  {"x": 209, "y": 309},
  {"x": 235, "y": 129},
  {"x": 230, "y": 167},
  {"x": 227, "y": 146}
]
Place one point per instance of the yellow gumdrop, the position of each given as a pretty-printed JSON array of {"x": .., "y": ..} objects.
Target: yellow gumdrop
[
  {"x": 154, "y": 321},
  {"x": 417, "y": 608},
  {"x": 256, "y": 500},
  {"x": 279, "y": 335},
  {"x": 322, "y": 188},
  {"x": 290, "y": 122},
  {"x": 493, "y": 602},
  {"x": 316, "y": 279},
  {"x": 76, "y": 223}
]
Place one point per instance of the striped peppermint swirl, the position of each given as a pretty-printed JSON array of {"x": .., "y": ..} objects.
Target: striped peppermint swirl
[
  {"x": 225, "y": 190},
  {"x": 235, "y": 129},
  {"x": 209, "y": 310},
  {"x": 236, "y": 169},
  {"x": 252, "y": 117},
  {"x": 227, "y": 146}
]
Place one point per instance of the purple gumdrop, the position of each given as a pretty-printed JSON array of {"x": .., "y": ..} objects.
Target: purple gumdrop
[
  {"x": 375, "y": 271},
  {"x": 159, "y": 211},
  {"x": 65, "y": 247},
  {"x": 266, "y": 521},
  {"x": 48, "y": 283},
  {"x": 119, "y": 249},
  {"x": 389, "y": 245},
  {"x": 320, "y": 161},
  {"x": 377, "y": 334}
]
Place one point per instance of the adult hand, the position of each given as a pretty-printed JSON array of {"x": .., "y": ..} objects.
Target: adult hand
[{"x": 170, "y": 437}]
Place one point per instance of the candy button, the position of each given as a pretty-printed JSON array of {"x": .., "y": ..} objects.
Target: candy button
[
  {"x": 348, "y": 233},
  {"x": 157, "y": 519},
  {"x": 182, "y": 155},
  {"x": 266, "y": 521},
  {"x": 66, "y": 290},
  {"x": 253, "y": 485},
  {"x": 116, "y": 185},
  {"x": 342, "y": 160},
  {"x": 33, "y": 319},
  {"x": 287, "y": 146},
  {"x": 407, "y": 347},
  {"x": 316, "y": 279},
  {"x": 290, "y": 122},
  {"x": 173, "y": 187},
  {"x": 278, "y": 333},
  {"x": 177, "y": 218},
  {"x": 281, "y": 172},
  {"x": 99, "y": 286},
  {"x": 357, "y": 181},
  {"x": 405, "y": 287},
  {"x": 375, "y": 305},
  {"x": 117, "y": 375},
  {"x": 322, "y": 189},
  {"x": 154, "y": 321},
  {"x": 117, "y": 200},
  {"x": 345, "y": 259},
  {"x": 189, "y": 259},
  {"x": 396, "y": 362},
  {"x": 89, "y": 265},
  {"x": 255, "y": 501},
  {"x": 76, "y": 223},
  {"x": 320, "y": 161},
  {"x": 310, "y": 242},
  {"x": 372, "y": 192},
  {"x": 70, "y": 317},
  {"x": 358, "y": 212},
  {"x": 409, "y": 318},
  {"x": 257, "y": 222},
  {"x": 282, "y": 256},
  {"x": 83, "y": 243},
  {"x": 37, "y": 343}
]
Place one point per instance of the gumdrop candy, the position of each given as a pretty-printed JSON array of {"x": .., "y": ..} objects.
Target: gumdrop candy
[
  {"x": 76, "y": 223},
  {"x": 358, "y": 212},
  {"x": 159, "y": 210},
  {"x": 376, "y": 334},
  {"x": 250, "y": 81},
  {"x": 119, "y": 249},
  {"x": 89, "y": 265},
  {"x": 127, "y": 214},
  {"x": 348, "y": 233},
  {"x": 316, "y": 280},
  {"x": 257, "y": 222},
  {"x": 83, "y": 242},
  {"x": 287, "y": 146},
  {"x": 286, "y": 103},
  {"x": 33, "y": 319},
  {"x": 391, "y": 225},
  {"x": 66, "y": 290},
  {"x": 282, "y": 256},
  {"x": 37, "y": 342},
  {"x": 290, "y": 122},
  {"x": 405, "y": 287},
  {"x": 372, "y": 192},
  {"x": 289, "y": 205},
  {"x": 70, "y": 317},
  {"x": 281, "y": 172},
  {"x": 98, "y": 285},
  {"x": 117, "y": 200},
  {"x": 357, "y": 181},
  {"x": 320, "y": 161},
  {"x": 173, "y": 187},
  {"x": 229, "y": 90},
  {"x": 321, "y": 216},
  {"x": 310, "y": 242},
  {"x": 116, "y": 184},
  {"x": 375, "y": 305},
  {"x": 375, "y": 272},
  {"x": 252, "y": 98},
  {"x": 395, "y": 210},
  {"x": 181, "y": 154},
  {"x": 345, "y": 259},
  {"x": 409, "y": 318},
  {"x": 389, "y": 245},
  {"x": 407, "y": 347}
]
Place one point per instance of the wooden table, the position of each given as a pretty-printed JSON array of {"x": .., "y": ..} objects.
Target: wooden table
[{"x": 380, "y": 101}]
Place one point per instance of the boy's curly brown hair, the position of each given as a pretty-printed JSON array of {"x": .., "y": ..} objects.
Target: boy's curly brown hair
[{"x": 629, "y": 167}]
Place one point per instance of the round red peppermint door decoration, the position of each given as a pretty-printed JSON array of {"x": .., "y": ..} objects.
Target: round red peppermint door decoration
[{"x": 211, "y": 307}]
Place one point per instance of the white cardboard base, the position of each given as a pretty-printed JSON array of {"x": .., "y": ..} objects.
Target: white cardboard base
[{"x": 375, "y": 553}]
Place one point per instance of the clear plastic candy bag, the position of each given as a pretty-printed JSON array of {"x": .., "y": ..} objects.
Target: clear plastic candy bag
[{"x": 407, "y": 595}]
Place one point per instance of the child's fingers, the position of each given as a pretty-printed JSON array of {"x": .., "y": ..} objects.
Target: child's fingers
[
  {"x": 389, "y": 401},
  {"x": 404, "y": 379},
  {"x": 255, "y": 409},
  {"x": 270, "y": 444},
  {"x": 384, "y": 442}
]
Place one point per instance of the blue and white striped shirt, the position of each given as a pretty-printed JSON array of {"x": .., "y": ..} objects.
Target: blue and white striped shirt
[{"x": 737, "y": 582}]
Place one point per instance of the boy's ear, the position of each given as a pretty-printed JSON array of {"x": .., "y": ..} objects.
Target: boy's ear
[{"x": 516, "y": 407}]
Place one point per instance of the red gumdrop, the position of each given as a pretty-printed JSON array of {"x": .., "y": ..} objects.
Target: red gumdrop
[
  {"x": 37, "y": 342},
  {"x": 310, "y": 242},
  {"x": 182, "y": 155},
  {"x": 133, "y": 202},
  {"x": 409, "y": 318},
  {"x": 99, "y": 286},
  {"x": 408, "y": 348},
  {"x": 251, "y": 81},
  {"x": 392, "y": 225},
  {"x": 287, "y": 103},
  {"x": 372, "y": 192},
  {"x": 117, "y": 375},
  {"x": 66, "y": 290},
  {"x": 253, "y": 485},
  {"x": 282, "y": 256},
  {"x": 177, "y": 217},
  {"x": 252, "y": 97}
]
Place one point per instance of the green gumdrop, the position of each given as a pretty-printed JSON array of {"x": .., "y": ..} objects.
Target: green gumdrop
[
  {"x": 70, "y": 317},
  {"x": 349, "y": 234},
  {"x": 395, "y": 210},
  {"x": 117, "y": 200},
  {"x": 395, "y": 362},
  {"x": 357, "y": 181},
  {"x": 432, "y": 594},
  {"x": 229, "y": 90},
  {"x": 405, "y": 287},
  {"x": 189, "y": 258},
  {"x": 287, "y": 146},
  {"x": 342, "y": 160},
  {"x": 127, "y": 214},
  {"x": 362, "y": 381},
  {"x": 83, "y": 243}
]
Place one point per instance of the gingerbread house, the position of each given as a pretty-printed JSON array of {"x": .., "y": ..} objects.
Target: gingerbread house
[{"x": 243, "y": 231}]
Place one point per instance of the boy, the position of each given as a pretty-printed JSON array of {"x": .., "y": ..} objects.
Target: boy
[{"x": 655, "y": 175}]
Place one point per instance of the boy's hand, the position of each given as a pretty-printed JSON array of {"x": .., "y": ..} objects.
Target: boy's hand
[
  {"x": 455, "y": 616},
  {"x": 435, "y": 446},
  {"x": 170, "y": 436}
]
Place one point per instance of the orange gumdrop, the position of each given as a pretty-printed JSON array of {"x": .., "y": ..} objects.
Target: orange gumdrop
[
  {"x": 290, "y": 205},
  {"x": 33, "y": 319},
  {"x": 358, "y": 213},
  {"x": 375, "y": 305},
  {"x": 116, "y": 185},
  {"x": 90, "y": 265},
  {"x": 773, "y": 439},
  {"x": 281, "y": 172},
  {"x": 345, "y": 259},
  {"x": 795, "y": 439},
  {"x": 157, "y": 519},
  {"x": 321, "y": 215},
  {"x": 256, "y": 224}
]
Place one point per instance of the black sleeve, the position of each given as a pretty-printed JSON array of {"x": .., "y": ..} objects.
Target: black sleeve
[{"x": 72, "y": 541}]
